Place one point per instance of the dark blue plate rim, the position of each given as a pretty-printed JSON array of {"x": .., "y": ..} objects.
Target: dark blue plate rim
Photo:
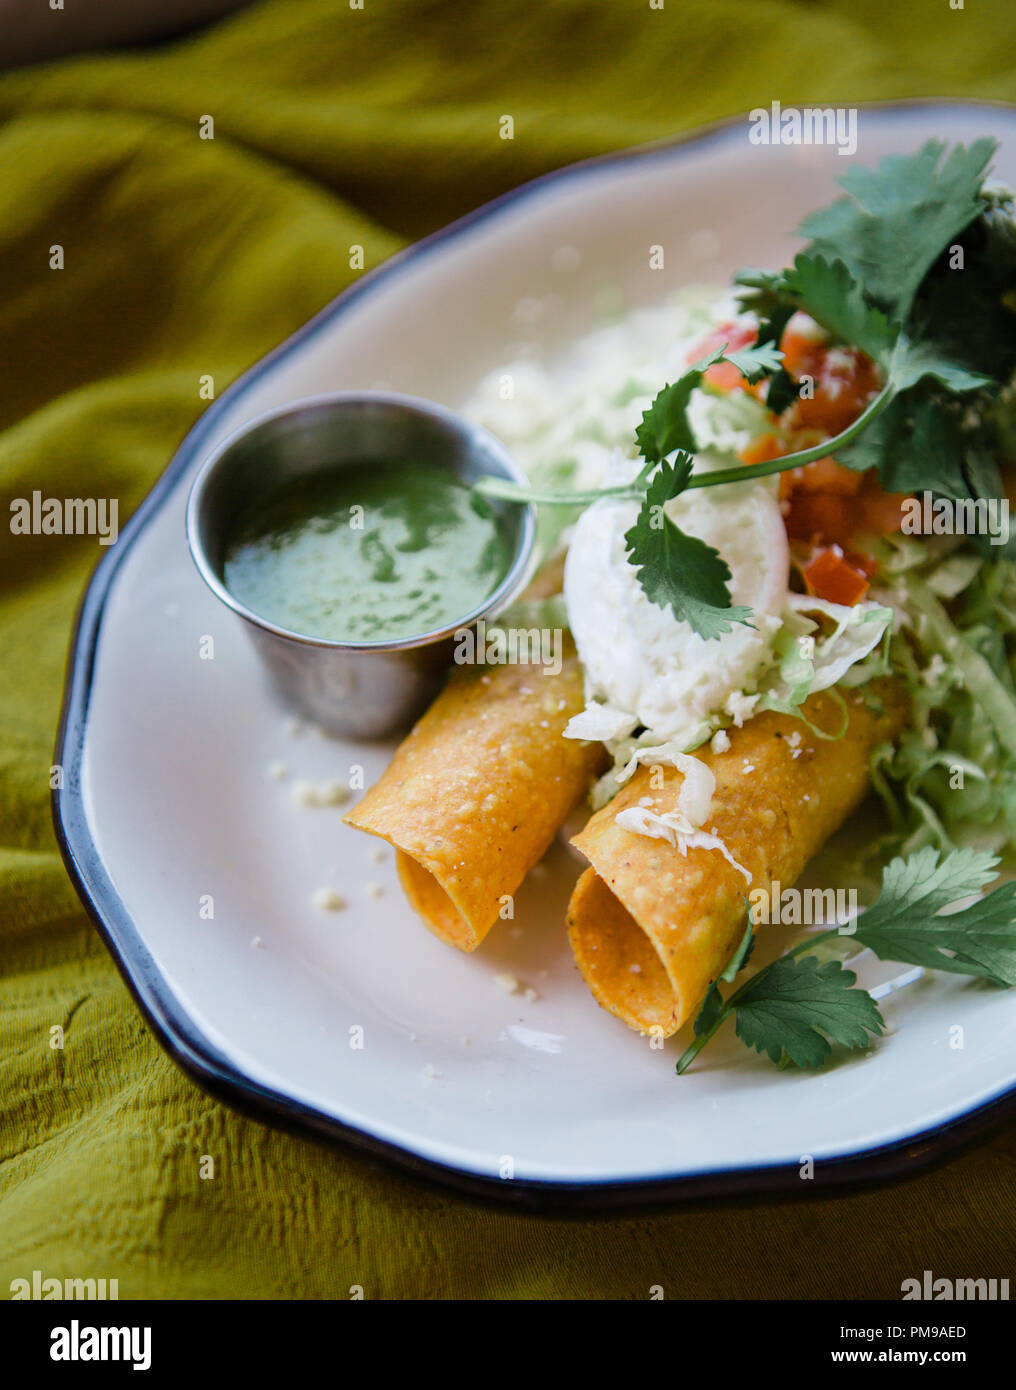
[{"x": 208, "y": 1065}]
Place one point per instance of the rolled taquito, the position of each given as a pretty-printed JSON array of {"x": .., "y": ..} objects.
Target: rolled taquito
[
  {"x": 478, "y": 790},
  {"x": 651, "y": 927}
]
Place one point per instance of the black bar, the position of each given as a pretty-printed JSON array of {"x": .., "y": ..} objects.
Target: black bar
[{"x": 766, "y": 1338}]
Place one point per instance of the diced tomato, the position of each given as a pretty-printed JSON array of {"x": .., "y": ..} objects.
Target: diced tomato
[
  {"x": 824, "y": 504},
  {"x": 845, "y": 380},
  {"x": 820, "y": 517},
  {"x": 826, "y": 475},
  {"x": 802, "y": 343},
  {"x": 724, "y": 376},
  {"x": 832, "y": 576},
  {"x": 835, "y": 517}
]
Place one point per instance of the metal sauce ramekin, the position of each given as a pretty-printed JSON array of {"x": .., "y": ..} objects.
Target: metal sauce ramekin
[{"x": 359, "y": 690}]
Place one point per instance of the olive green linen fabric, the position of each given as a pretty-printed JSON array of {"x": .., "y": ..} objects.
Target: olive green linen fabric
[{"x": 185, "y": 257}]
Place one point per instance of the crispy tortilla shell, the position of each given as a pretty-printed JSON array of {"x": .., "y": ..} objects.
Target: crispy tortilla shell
[
  {"x": 478, "y": 790},
  {"x": 651, "y": 928}
]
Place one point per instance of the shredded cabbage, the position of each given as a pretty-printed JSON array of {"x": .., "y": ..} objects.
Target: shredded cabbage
[
  {"x": 810, "y": 662},
  {"x": 671, "y": 826},
  {"x": 950, "y": 778}
]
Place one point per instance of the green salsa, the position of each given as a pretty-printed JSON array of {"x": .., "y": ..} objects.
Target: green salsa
[{"x": 367, "y": 554}]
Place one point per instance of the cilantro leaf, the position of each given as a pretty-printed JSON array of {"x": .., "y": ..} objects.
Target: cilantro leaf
[
  {"x": 783, "y": 391},
  {"x": 830, "y": 294},
  {"x": 905, "y": 924},
  {"x": 791, "y": 1008},
  {"x": 911, "y": 362},
  {"x": 756, "y": 361},
  {"x": 665, "y": 426},
  {"x": 897, "y": 219},
  {"x": 982, "y": 938},
  {"x": 921, "y": 880},
  {"x": 967, "y": 303},
  {"x": 766, "y": 297},
  {"x": 914, "y": 444},
  {"x": 770, "y": 329},
  {"x": 678, "y": 570},
  {"x": 796, "y": 1004}
]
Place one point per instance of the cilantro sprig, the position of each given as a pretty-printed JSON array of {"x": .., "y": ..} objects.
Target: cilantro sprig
[
  {"x": 678, "y": 569},
  {"x": 795, "y": 1008},
  {"x": 895, "y": 220},
  {"x": 879, "y": 274}
]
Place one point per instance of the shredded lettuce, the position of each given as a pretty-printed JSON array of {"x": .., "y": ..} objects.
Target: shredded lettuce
[
  {"x": 809, "y": 662},
  {"x": 950, "y": 779}
]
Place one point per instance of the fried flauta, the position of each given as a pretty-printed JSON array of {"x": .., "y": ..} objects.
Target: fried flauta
[
  {"x": 651, "y": 927},
  {"x": 479, "y": 789}
]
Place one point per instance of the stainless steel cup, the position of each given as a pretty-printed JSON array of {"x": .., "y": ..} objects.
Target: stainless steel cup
[{"x": 359, "y": 690}]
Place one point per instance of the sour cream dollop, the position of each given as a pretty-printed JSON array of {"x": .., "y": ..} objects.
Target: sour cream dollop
[{"x": 645, "y": 666}]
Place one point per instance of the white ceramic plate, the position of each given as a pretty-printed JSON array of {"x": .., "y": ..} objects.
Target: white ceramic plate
[{"x": 167, "y": 797}]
